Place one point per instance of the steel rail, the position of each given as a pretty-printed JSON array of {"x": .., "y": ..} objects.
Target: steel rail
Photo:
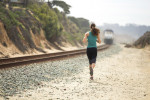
[{"x": 10, "y": 62}]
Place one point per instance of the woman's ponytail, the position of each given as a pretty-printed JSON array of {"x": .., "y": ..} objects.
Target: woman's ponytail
[{"x": 95, "y": 31}]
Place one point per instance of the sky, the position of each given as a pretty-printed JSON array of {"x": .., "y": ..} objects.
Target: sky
[{"x": 112, "y": 11}]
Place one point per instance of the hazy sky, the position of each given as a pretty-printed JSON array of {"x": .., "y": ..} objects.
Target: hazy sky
[{"x": 112, "y": 11}]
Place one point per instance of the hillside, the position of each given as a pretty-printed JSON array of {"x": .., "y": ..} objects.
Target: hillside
[
  {"x": 143, "y": 41},
  {"x": 36, "y": 29},
  {"x": 82, "y": 23},
  {"x": 23, "y": 34}
]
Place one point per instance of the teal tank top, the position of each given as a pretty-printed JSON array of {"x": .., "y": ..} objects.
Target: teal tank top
[{"x": 91, "y": 40}]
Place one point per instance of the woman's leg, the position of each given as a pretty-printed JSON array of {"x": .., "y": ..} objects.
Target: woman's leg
[
  {"x": 93, "y": 65},
  {"x": 89, "y": 58},
  {"x": 91, "y": 53},
  {"x": 93, "y": 60},
  {"x": 91, "y": 70}
]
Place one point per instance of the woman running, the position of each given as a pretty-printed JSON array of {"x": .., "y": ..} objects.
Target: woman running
[{"x": 92, "y": 36}]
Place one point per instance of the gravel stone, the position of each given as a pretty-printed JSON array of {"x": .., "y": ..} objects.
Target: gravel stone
[{"x": 16, "y": 80}]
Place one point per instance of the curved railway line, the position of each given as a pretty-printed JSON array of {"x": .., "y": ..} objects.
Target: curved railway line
[{"x": 11, "y": 62}]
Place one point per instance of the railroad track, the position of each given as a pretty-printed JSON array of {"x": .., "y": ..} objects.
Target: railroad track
[{"x": 10, "y": 62}]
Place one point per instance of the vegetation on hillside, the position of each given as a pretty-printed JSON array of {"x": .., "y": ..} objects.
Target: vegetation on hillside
[
  {"x": 82, "y": 23},
  {"x": 48, "y": 18},
  {"x": 19, "y": 24},
  {"x": 9, "y": 18},
  {"x": 56, "y": 25}
]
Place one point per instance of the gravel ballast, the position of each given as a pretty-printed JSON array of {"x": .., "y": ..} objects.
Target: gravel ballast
[{"x": 16, "y": 80}]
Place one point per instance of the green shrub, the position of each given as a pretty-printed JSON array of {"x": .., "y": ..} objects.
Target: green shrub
[
  {"x": 9, "y": 18},
  {"x": 73, "y": 38},
  {"x": 48, "y": 18},
  {"x": 21, "y": 37}
]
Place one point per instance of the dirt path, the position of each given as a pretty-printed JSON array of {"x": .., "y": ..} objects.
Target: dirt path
[{"x": 123, "y": 76}]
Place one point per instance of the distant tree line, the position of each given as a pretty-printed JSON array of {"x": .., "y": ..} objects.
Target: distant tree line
[{"x": 129, "y": 29}]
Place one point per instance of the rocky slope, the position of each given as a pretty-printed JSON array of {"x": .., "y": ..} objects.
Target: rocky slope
[{"x": 143, "y": 40}]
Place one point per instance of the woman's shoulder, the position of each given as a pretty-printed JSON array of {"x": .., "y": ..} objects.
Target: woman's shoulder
[{"x": 87, "y": 33}]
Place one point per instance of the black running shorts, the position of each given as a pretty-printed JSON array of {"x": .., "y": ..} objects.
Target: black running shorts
[{"x": 92, "y": 54}]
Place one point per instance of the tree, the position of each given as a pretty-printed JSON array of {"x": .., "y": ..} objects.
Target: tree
[{"x": 61, "y": 4}]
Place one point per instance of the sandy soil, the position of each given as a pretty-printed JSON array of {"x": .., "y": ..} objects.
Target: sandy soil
[
  {"x": 123, "y": 76},
  {"x": 12, "y": 51}
]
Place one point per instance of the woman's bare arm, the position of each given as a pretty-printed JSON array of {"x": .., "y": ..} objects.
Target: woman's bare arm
[
  {"x": 98, "y": 39},
  {"x": 85, "y": 37}
]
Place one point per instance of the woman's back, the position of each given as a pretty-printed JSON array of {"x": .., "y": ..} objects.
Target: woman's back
[
  {"x": 91, "y": 51},
  {"x": 91, "y": 40}
]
